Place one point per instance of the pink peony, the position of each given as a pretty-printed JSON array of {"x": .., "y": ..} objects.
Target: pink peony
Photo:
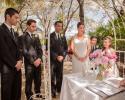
[
  {"x": 104, "y": 60},
  {"x": 112, "y": 56},
  {"x": 95, "y": 54}
]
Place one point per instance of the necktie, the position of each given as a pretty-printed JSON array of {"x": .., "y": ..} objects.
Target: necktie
[
  {"x": 12, "y": 32},
  {"x": 92, "y": 48},
  {"x": 32, "y": 36},
  {"x": 58, "y": 36}
]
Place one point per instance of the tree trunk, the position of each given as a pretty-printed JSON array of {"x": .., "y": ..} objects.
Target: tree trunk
[
  {"x": 115, "y": 9},
  {"x": 81, "y": 10}
]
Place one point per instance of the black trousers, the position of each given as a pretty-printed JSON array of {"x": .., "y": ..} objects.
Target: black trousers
[
  {"x": 56, "y": 76},
  {"x": 32, "y": 74},
  {"x": 10, "y": 84}
]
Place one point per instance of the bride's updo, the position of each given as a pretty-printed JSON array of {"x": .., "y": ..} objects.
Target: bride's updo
[
  {"x": 79, "y": 24},
  {"x": 80, "y": 28}
]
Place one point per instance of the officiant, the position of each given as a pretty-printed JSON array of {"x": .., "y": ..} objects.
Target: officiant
[
  {"x": 94, "y": 46},
  {"x": 93, "y": 42}
]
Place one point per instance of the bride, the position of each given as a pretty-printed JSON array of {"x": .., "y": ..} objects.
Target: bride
[{"x": 80, "y": 46}]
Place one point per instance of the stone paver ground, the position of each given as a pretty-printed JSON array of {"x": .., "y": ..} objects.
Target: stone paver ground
[{"x": 67, "y": 70}]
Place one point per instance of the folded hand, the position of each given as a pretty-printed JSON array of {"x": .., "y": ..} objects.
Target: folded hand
[
  {"x": 19, "y": 65},
  {"x": 60, "y": 58},
  {"x": 82, "y": 59},
  {"x": 122, "y": 83},
  {"x": 37, "y": 62}
]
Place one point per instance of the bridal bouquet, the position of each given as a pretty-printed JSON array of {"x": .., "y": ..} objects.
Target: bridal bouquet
[{"x": 103, "y": 61}]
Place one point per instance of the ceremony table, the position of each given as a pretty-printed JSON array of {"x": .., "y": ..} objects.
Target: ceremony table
[{"x": 76, "y": 87}]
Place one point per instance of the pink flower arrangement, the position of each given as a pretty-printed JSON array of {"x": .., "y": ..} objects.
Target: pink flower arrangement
[
  {"x": 95, "y": 54},
  {"x": 103, "y": 60}
]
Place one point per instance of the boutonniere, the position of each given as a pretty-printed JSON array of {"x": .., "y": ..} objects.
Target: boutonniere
[
  {"x": 61, "y": 35},
  {"x": 97, "y": 46},
  {"x": 36, "y": 35}
]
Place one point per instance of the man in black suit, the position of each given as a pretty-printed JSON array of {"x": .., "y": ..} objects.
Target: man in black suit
[
  {"x": 58, "y": 51},
  {"x": 94, "y": 46},
  {"x": 10, "y": 57},
  {"x": 32, "y": 51},
  {"x": 93, "y": 41}
]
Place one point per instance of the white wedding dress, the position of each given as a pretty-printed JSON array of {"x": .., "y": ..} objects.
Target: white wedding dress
[{"x": 80, "y": 47}]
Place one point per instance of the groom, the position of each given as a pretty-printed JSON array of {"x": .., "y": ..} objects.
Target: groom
[
  {"x": 10, "y": 57},
  {"x": 58, "y": 51}
]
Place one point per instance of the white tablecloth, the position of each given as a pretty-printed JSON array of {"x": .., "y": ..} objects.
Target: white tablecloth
[{"x": 74, "y": 88}]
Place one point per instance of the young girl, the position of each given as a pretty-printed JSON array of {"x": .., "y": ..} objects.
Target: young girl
[{"x": 106, "y": 56}]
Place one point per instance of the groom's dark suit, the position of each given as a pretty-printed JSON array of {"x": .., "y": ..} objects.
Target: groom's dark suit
[
  {"x": 58, "y": 47},
  {"x": 9, "y": 55}
]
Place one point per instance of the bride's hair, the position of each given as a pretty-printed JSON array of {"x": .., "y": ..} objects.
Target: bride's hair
[{"x": 80, "y": 23}]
